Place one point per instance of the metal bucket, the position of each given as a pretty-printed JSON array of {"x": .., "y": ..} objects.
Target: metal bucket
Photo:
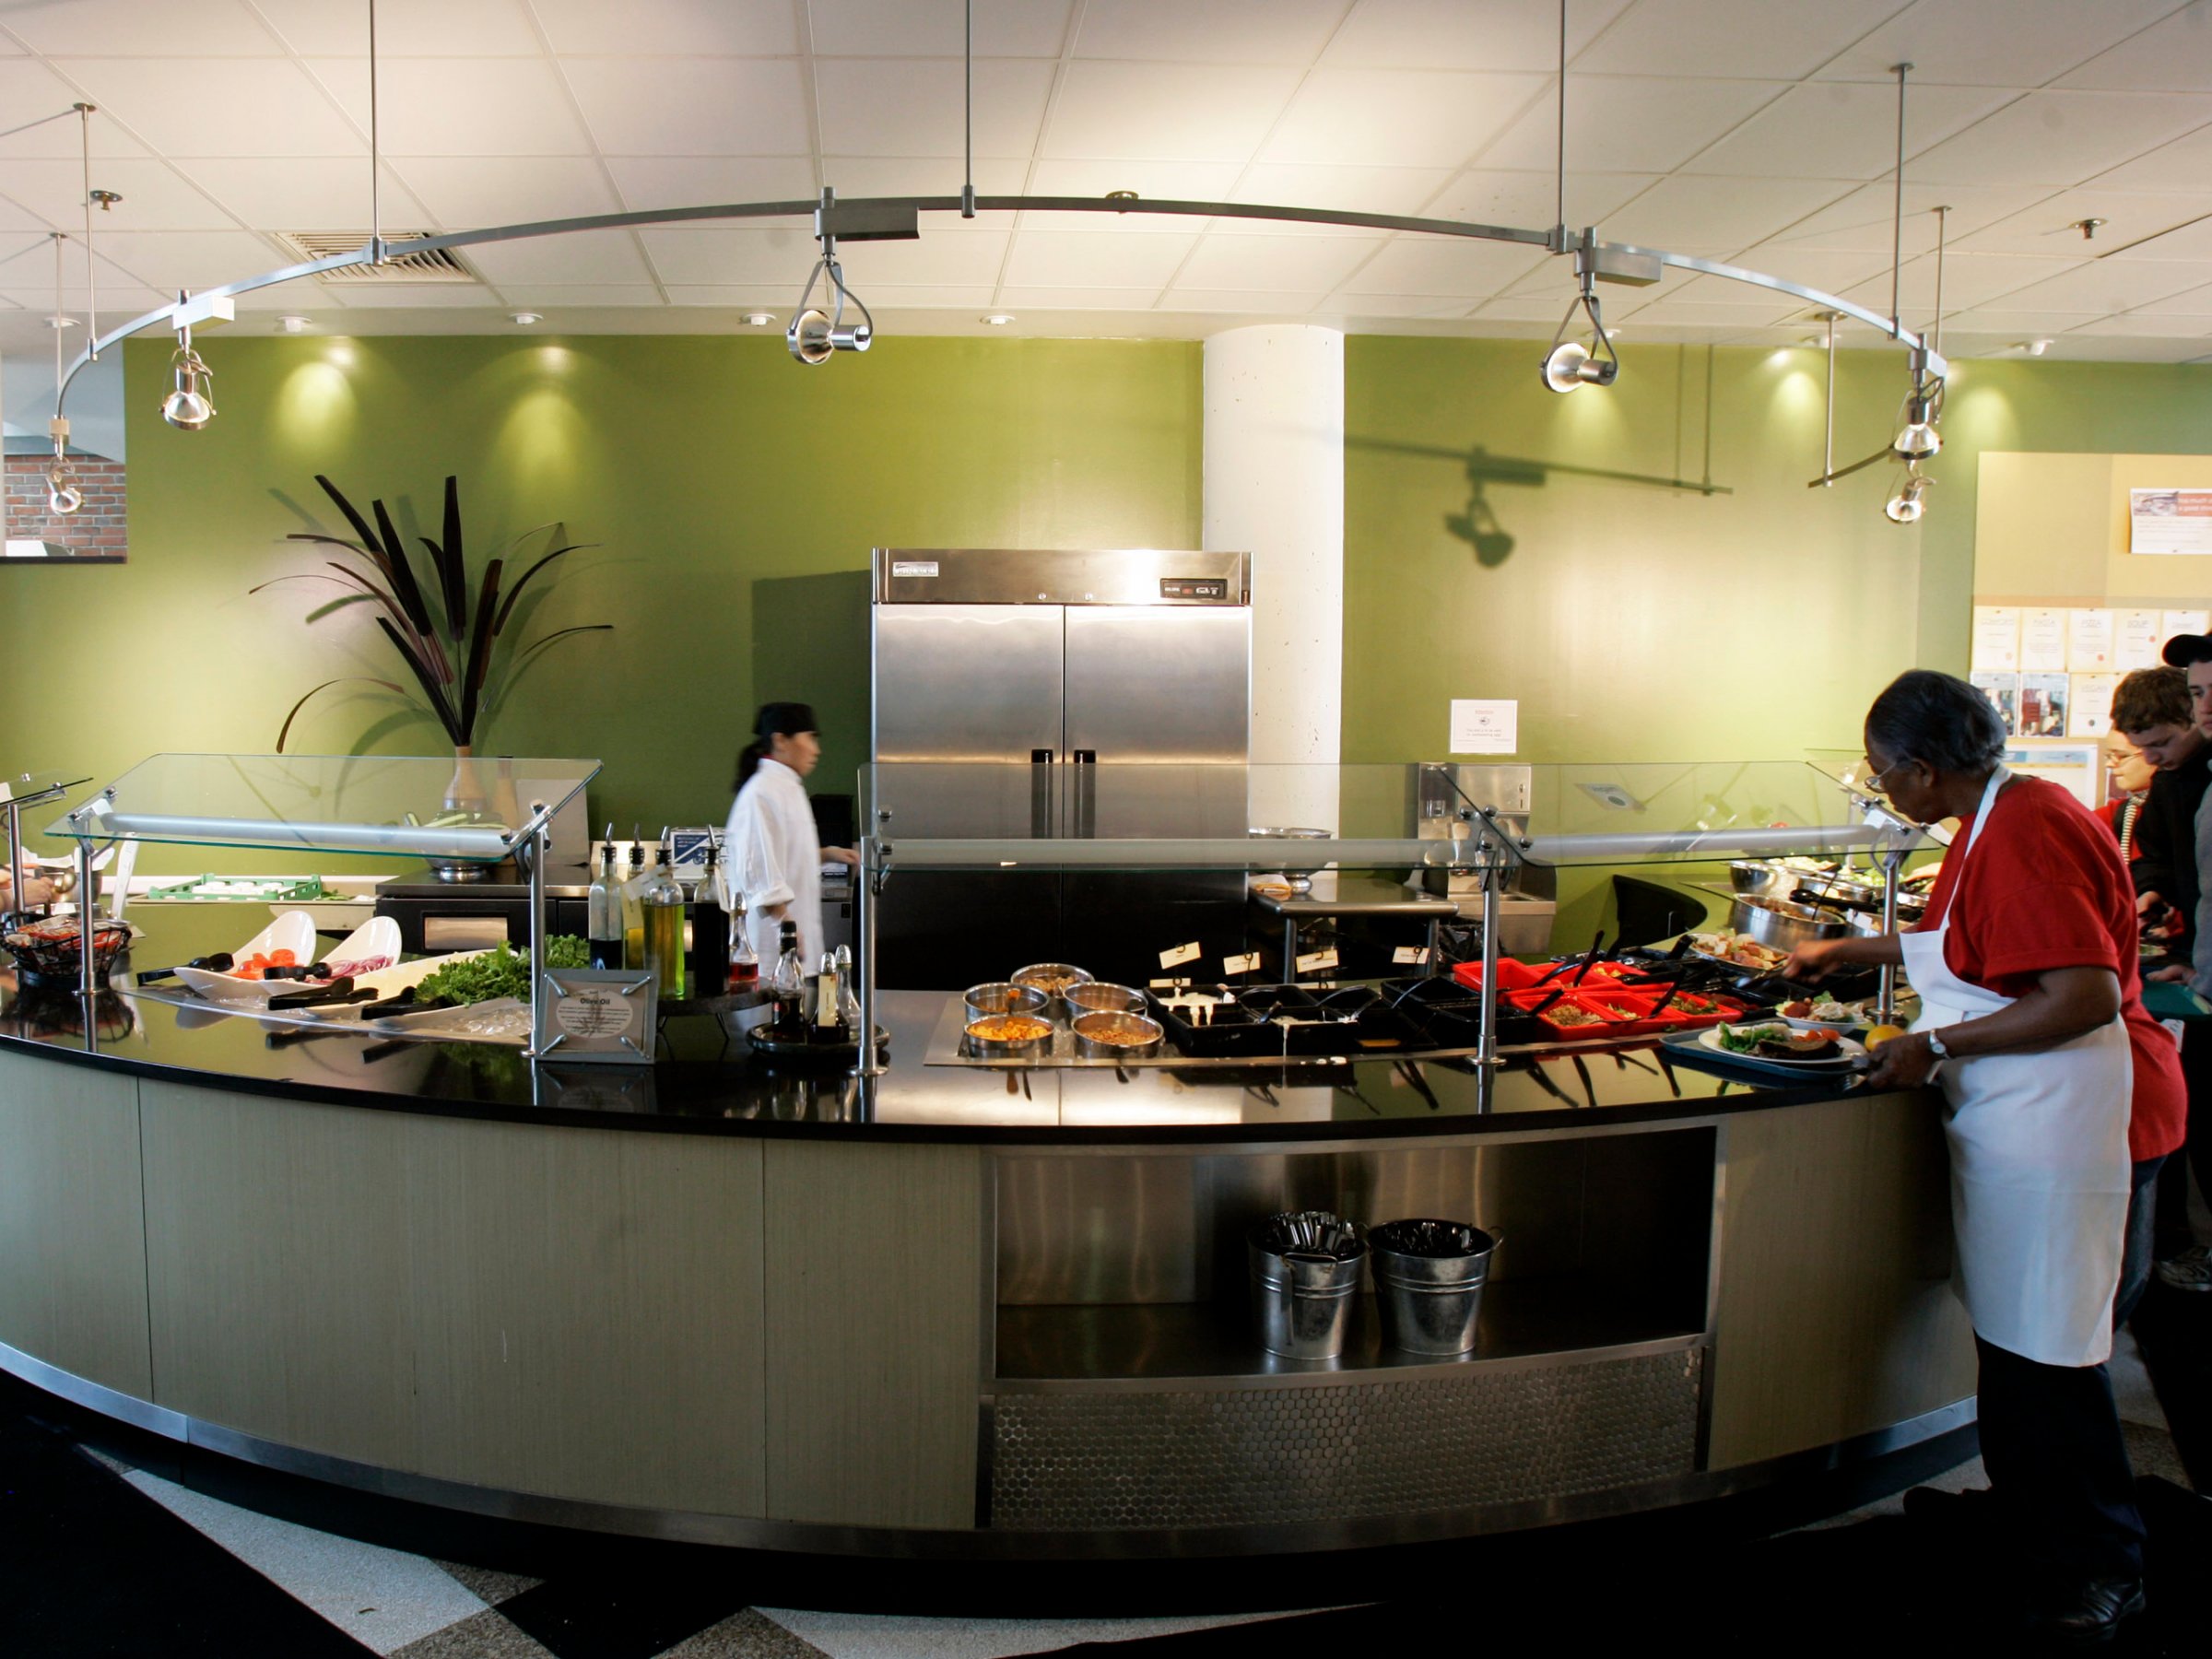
[
  {"x": 1305, "y": 1275},
  {"x": 1428, "y": 1280}
]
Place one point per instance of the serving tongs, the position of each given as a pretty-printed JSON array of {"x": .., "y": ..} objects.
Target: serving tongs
[
  {"x": 217, "y": 963},
  {"x": 1589, "y": 959}
]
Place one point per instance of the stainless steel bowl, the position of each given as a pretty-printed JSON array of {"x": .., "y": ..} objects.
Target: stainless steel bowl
[
  {"x": 1097, "y": 996},
  {"x": 999, "y": 1048},
  {"x": 1117, "y": 1036},
  {"x": 1761, "y": 879},
  {"x": 1050, "y": 978},
  {"x": 1299, "y": 882},
  {"x": 1001, "y": 996},
  {"x": 1784, "y": 926}
]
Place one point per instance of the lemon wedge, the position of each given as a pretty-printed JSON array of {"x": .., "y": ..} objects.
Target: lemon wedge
[{"x": 1878, "y": 1035}]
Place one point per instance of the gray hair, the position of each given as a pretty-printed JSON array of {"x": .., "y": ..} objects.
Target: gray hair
[{"x": 1938, "y": 719}]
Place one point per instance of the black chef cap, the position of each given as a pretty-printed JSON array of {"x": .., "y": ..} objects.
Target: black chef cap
[{"x": 788, "y": 719}]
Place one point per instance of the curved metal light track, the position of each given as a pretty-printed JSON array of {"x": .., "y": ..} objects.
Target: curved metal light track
[{"x": 1551, "y": 241}]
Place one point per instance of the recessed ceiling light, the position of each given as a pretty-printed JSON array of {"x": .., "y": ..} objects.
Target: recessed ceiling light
[
  {"x": 292, "y": 323},
  {"x": 997, "y": 319},
  {"x": 760, "y": 320},
  {"x": 2035, "y": 347},
  {"x": 59, "y": 321},
  {"x": 526, "y": 318}
]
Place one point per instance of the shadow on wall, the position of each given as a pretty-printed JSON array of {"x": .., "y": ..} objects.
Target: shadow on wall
[
  {"x": 1478, "y": 525},
  {"x": 810, "y": 645}
]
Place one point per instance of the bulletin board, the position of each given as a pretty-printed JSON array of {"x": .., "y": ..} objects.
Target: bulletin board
[{"x": 2061, "y": 605}]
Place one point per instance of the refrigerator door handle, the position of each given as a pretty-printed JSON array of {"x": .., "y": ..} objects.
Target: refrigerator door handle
[
  {"x": 1086, "y": 793},
  {"x": 1040, "y": 794}
]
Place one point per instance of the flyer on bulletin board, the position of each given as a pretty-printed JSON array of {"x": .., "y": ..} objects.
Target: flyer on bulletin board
[
  {"x": 2004, "y": 691},
  {"x": 1996, "y": 639},
  {"x": 2169, "y": 521},
  {"x": 2043, "y": 640},
  {"x": 2043, "y": 705},
  {"x": 2182, "y": 621},
  {"x": 2090, "y": 641},
  {"x": 2136, "y": 637},
  {"x": 2089, "y": 705}
]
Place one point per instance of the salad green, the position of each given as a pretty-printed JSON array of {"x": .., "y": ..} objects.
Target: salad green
[{"x": 503, "y": 972}]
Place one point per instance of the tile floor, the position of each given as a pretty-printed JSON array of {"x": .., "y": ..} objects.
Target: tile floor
[{"x": 110, "y": 1558}]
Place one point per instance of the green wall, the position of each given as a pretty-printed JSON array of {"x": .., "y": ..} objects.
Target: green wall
[
  {"x": 1636, "y": 622},
  {"x": 735, "y": 495}
]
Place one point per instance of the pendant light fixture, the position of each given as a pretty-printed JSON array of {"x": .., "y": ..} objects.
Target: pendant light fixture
[
  {"x": 1569, "y": 366},
  {"x": 64, "y": 494},
  {"x": 815, "y": 334},
  {"x": 1909, "y": 501},
  {"x": 188, "y": 405}
]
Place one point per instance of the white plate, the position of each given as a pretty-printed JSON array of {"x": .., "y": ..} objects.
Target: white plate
[
  {"x": 293, "y": 931},
  {"x": 1853, "y": 1053},
  {"x": 1698, "y": 950}
]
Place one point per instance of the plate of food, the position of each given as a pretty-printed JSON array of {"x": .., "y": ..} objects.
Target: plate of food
[
  {"x": 1737, "y": 950},
  {"x": 1773, "y": 1044},
  {"x": 1807, "y": 1012}
]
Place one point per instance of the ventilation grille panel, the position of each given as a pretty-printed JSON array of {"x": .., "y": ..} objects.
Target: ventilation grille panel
[{"x": 438, "y": 266}]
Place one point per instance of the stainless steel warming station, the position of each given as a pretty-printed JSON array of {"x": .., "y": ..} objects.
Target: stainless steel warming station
[{"x": 1067, "y": 694}]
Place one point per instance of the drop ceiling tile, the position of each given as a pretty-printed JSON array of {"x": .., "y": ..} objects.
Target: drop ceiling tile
[
  {"x": 1396, "y": 305},
  {"x": 1829, "y": 270},
  {"x": 1123, "y": 224},
  {"x": 2048, "y": 227},
  {"x": 142, "y": 28},
  {"x": 2189, "y": 302},
  {"x": 1845, "y": 130},
  {"x": 1969, "y": 279},
  {"x": 1527, "y": 200},
  {"x": 691, "y": 106},
  {"x": 1015, "y": 298},
  {"x": 2153, "y": 325},
  {"x": 1618, "y": 123},
  {"x": 2184, "y": 164},
  {"x": 418, "y": 296},
  {"x": 647, "y": 181},
  {"x": 1401, "y": 190},
  {"x": 287, "y": 192},
  {"x": 508, "y": 190},
  {"x": 1094, "y": 259},
  {"x": 553, "y": 297},
  {"x": 154, "y": 196},
  {"x": 1715, "y": 216},
  {"x": 2112, "y": 285},
  {"x": 911, "y": 296},
  {"x": 941, "y": 258},
  {"x": 1861, "y": 221},
  {"x": 671, "y": 27},
  {"x": 2060, "y": 138},
  {"x": 1521, "y": 308},
  {"x": 1246, "y": 303},
  {"x": 1219, "y": 31},
  {"x": 1275, "y": 263},
  {"x": 1779, "y": 39},
  {"x": 592, "y": 256},
  {"x": 920, "y": 175},
  {"x": 1172, "y": 112},
  {"x": 233, "y": 106},
  {"x": 1437, "y": 265},
  {"x": 1436, "y": 118},
  {"x": 1004, "y": 28},
  {"x": 753, "y": 297},
  {"x": 2015, "y": 323},
  {"x": 405, "y": 27},
  {"x": 2084, "y": 348},
  {"x": 2014, "y": 43},
  {"x": 2193, "y": 241},
  {"x": 168, "y": 260},
  {"x": 1451, "y": 34},
  {"x": 119, "y": 302},
  {"x": 892, "y": 106},
  {"x": 460, "y": 106},
  {"x": 691, "y": 256},
  {"x": 303, "y": 295},
  {"x": 30, "y": 91},
  {"x": 1748, "y": 312},
  {"x": 1160, "y": 180},
  {"x": 2172, "y": 55}
]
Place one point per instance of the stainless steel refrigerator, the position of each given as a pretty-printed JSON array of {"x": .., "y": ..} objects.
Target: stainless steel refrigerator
[{"x": 1068, "y": 693}]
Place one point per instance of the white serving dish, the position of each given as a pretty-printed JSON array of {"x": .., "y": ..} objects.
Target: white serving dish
[{"x": 293, "y": 931}]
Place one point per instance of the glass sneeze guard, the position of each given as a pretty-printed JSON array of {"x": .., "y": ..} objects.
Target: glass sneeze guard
[{"x": 467, "y": 810}]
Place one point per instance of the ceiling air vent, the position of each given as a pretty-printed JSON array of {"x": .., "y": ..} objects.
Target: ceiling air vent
[{"x": 438, "y": 266}]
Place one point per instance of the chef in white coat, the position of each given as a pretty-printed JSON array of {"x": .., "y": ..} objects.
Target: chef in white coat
[
  {"x": 775, "y": 856},
  {"x": 2032, "y": 1026}
]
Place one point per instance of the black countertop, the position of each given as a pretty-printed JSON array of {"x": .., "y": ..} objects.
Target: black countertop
[{"x": 705, "y": 1086}]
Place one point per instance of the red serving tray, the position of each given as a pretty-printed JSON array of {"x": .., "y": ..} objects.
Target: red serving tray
[
  {"x": 1513, "y": 974},
  {"x": 1611, "y": 1025}
]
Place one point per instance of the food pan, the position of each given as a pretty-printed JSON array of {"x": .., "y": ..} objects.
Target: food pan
[
  {"x": 1053, "y": 978},
  {"x": 1560, "y": 1024},
  {"x": 1110, "y": 1034},
  {"x": 985, "y": 1046},
  {"x": 1095, "y": 997},
  {"x": 1003, "y": 996}
]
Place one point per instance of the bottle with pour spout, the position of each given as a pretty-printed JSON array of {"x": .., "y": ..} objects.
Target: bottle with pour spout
[
  {"x": 633, "y": 917},
  {"x": 661, "y": 918},
  {"x": 602, "y": 915}
]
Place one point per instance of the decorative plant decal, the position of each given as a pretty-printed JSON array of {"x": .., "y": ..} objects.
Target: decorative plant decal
[{"x": 449, "y": 653}]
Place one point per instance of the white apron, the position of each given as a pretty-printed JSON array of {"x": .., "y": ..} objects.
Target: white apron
[
  {"x": 775, "y": 857},
  {"x": 2039, "y": 1165}
]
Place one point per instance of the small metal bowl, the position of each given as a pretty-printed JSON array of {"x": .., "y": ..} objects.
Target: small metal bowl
[
  {"x": 1001, "y": 996},
  {"x": 1002, "y": 1048},
  {"x": 1097, "y": 996},
  {"x": 1761, "y": 879},
  {"x": 1117, "y": 1036},
  {"x": 1052, "y": 978}
]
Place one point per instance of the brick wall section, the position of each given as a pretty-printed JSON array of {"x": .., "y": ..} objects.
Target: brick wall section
[{"x": 96, "y": 527}]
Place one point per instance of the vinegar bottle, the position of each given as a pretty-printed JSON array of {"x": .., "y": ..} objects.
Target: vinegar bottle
[{"x": 602, "y": 923}]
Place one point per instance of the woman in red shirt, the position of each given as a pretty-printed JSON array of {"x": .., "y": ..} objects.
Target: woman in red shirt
[{"x": 2032, "y": 1023}]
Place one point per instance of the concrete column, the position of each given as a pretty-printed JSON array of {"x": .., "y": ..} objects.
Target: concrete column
[{"x": 1275, "y": 488}]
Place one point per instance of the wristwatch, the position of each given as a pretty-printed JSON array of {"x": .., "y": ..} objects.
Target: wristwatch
[{"x": 1935, "y": 1045}]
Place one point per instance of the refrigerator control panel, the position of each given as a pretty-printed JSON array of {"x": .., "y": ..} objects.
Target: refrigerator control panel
[{"x": 1194, "y": 587}]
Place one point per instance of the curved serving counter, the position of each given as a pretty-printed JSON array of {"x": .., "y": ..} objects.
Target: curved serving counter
[{"x": 950, "y": 1311}]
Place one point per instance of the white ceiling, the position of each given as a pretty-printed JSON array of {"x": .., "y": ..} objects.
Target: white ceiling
[{"x": 1760, "y": 132}]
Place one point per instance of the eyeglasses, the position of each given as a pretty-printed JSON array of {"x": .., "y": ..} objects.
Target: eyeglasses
[{"x": 1873, "y": 782}]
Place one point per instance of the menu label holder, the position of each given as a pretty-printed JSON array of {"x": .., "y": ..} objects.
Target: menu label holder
[
  {"x": 1177, "y": 955},
  {"x": 1240, "y": 964},
  {"x": 1313, "y": 961},
  {"x": 595, "y": 1016}
]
